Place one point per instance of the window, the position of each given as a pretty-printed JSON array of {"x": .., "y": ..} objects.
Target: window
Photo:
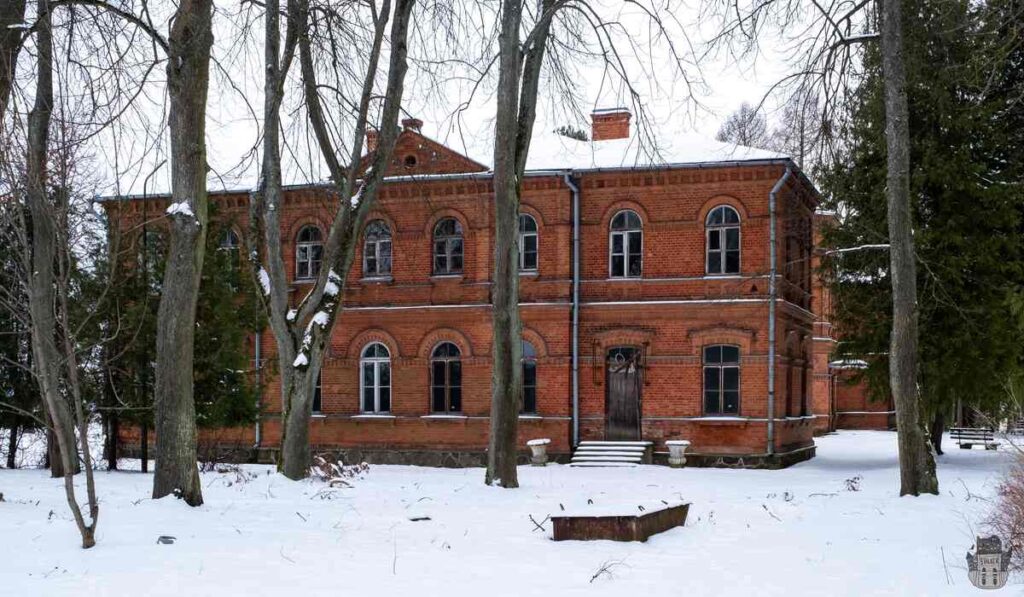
[
  {"x": 527, "y": 243},
  {"x": 448, "y": 247},
  {"x": 309, "y": 250},
  {"x": 445, "y": 379},
  {"x": 625, "y": 246},
  {"x": 318, "y": 394},
  {"x": 721, "y": 380},
  {"x": 375, "y": 378},
  {"x": 229, "y": 240},
  {"x": 377, "y": 250},
  {"x": 723, "y": 241},
  {"x": 529, "y": 404}
]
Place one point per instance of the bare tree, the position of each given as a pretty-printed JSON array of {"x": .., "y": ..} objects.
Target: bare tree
[
  {"x": 12, "y": 16},
  {"x": 48, "y": 292},
  {"x": 302, "y": 332},
  {"x": 747, "y": 127},
  {"x": 188, "y": 78},
  {"x": 824, "y": 54}
]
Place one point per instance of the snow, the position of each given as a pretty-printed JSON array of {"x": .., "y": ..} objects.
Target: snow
[
  {"x": 792, "y": 532},
  {"x": 181, "y": 208},
  {"x": 301, "y": 360},
  {"x": 539, "y": 442},
  {"x": 332, "y": 288},
  {"x": 849, "y": 364},
  {"x": 264, "y": 278},
  {"x": 556, "y": 152},
  {"x": 292, "y": 314},
  {"x": 320, "y": 318}
]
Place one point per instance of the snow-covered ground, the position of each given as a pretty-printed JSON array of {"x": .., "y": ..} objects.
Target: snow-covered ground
[{"x": 804, "y": 530}]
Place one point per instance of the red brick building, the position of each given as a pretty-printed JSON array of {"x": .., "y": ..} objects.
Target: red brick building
[{"x": 646, "y": 296}]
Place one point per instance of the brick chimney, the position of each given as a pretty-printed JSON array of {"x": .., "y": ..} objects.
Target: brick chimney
[
  {"x": 372, "y": 136},
  {"x": 610, "y": 123},
  {"x": 412, "y": 124}
]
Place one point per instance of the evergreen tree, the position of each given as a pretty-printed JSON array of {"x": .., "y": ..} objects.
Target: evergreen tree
[{"x": 967, "y": 214}]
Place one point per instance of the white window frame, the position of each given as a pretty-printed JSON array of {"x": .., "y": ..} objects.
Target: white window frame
[
  {"x": 377, "y": 242},
  {"x": 722, "y": 244},
  {"x": 308, "y": 246},
  {"x": 522, "y": 244},
  {"x": 612, "y": 233},
  {"x": 375, "y": 362}
]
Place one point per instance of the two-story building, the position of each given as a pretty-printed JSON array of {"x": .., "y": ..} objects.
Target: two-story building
[{"x": 665, "y": 294}]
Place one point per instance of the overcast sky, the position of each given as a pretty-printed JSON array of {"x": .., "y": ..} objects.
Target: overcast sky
[{"x": 720, "y": 84}]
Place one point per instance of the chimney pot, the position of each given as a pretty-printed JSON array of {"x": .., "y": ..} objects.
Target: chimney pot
[
  {"x": 412, "y": 124},
  {"x": 372, "y": 136},
  {"x": 610, "y": 123}
]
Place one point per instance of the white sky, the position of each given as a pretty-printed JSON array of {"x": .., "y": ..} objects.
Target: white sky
[{"x": 232, "y": 130}]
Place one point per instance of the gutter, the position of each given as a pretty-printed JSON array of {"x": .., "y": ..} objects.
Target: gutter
[
  {"x": 772, "y": 298},
  {"x": 259, "y": 394},
  {"x": 575, "y": 189}
]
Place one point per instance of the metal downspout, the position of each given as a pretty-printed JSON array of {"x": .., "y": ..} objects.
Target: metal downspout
[
  {"x": 772, "y": 298},
  {"x": 259, "y": 394},
  {"x": 571, "y": 183}
]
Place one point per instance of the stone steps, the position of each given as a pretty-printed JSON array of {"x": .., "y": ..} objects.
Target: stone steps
[{"x": 612, "y": 454}]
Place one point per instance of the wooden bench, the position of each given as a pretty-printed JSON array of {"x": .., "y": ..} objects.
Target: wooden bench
[{"x": 966, "y": 437}]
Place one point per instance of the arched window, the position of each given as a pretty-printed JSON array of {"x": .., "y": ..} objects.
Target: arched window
[
  {"x": 723, "y": 241},
  {"x": 377, "y": 250},
  {"x": 309, "y": 251},
  {"x": 375, "y": 378},
  {"x": 625, "y": 245},
  {"x": 527, "y": 243},
  {"x": 529, "y": 404},
  {"x": 721, "y": 380},
  {"x": 229, "y": 239},
  {"x": 448, "y": 247},
  {"x": 445, "y": 379}
]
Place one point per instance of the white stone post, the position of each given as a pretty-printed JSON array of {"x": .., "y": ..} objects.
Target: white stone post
[{"x": 677, "y": 452}]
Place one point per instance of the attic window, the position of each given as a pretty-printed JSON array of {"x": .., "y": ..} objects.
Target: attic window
[{"x": 410, "y": 161}]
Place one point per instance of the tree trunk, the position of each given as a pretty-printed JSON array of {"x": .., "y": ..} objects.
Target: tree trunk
[
  {"x": 113, "y": 428},
  {"x": 42, "y": 281},
  {"x": 938, "y": 427},
  {"x": 917, "y": 466},
  {"x": 188, "y": 77},
  {"x": 144, "y": 448},
  {"x": 12, "y": 446},
  {"x": 12, "y": 13},
  {"x": 518, "y": 81}
]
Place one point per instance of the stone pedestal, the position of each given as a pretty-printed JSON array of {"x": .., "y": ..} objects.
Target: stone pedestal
[
  {"x": 539, "y": 451},
  {"x": 677, "y": 452}
]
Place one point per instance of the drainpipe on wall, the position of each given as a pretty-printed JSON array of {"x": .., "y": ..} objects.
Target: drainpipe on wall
[
  {"x": 571, "y": 183},
  {"x": 772, "y": 297},
  {"x": 259, "y": 394}
]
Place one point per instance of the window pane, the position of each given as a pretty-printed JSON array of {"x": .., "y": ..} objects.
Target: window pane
[
  {"x": 713, "y": 354},
  {"x": 368, "y": 399},
  {"x": 385, "y": 373},
  {"x": 437, "y": 399},
  {"x": 529, "y": 399},
  {"x": 714, "y": 262},
  {"x": 368, "y": 375},
  {"x": 456, "y": 265},
  {"x": 732, "y": 262},
  {"x": 731, "y": 379},
  {"x": 384, "y": 265},
  {"x": 618, "y": 266},
  {"x": 455, "y": 399},
  {"x": 385, "y": 399},
  {"x": 635, "y": 265},
  {"x": 712, "y": 379},
  {"x": 730, "y": 354},
  {"x": 732, "y": 238},
  {"x": 634, "y": 242},
  {"x": 711, "y": 403},
  {"x": 455, "y": 373},
  {"x": 616, "y": 243},
  {"x": 371, "y": 264},
  {"x": 455, "y": 246},
  {"x": 439, "y": 378},
  {"x": 731, "y": 403},
  {"x": 530, "y": 260},
  {"x": 440, "y": 264},
  {"x": 530, "y": 243},
  {"x": 714, "y": 240},
  {"x": 529, "y": 374}
]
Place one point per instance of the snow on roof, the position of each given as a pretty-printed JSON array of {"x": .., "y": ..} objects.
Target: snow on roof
[
  {"x": 849, "y": 364},
  {"x": 557, "y": 152}
]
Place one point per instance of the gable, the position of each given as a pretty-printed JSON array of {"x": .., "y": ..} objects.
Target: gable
[{"x": 416, "y": 154}]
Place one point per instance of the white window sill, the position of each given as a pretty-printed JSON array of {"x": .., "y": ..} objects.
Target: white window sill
[
  {"x": 723, "y": 277},
  {"x": 371, "y": 416},
  {"x": 318, "y": 416},
  {"x": 376, "y": 279},
  {"x": 723, "y": 419},
  {"x": 444, "y": 417},
  {"x": 530, "y": 417},
  {"x": 631, "y": 279},
  {"x": 446, "y": 276},
  {"x": 529, "y": 273}
]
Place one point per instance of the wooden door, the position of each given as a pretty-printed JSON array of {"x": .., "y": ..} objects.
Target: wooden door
[{"x": 622, "y": 398}]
